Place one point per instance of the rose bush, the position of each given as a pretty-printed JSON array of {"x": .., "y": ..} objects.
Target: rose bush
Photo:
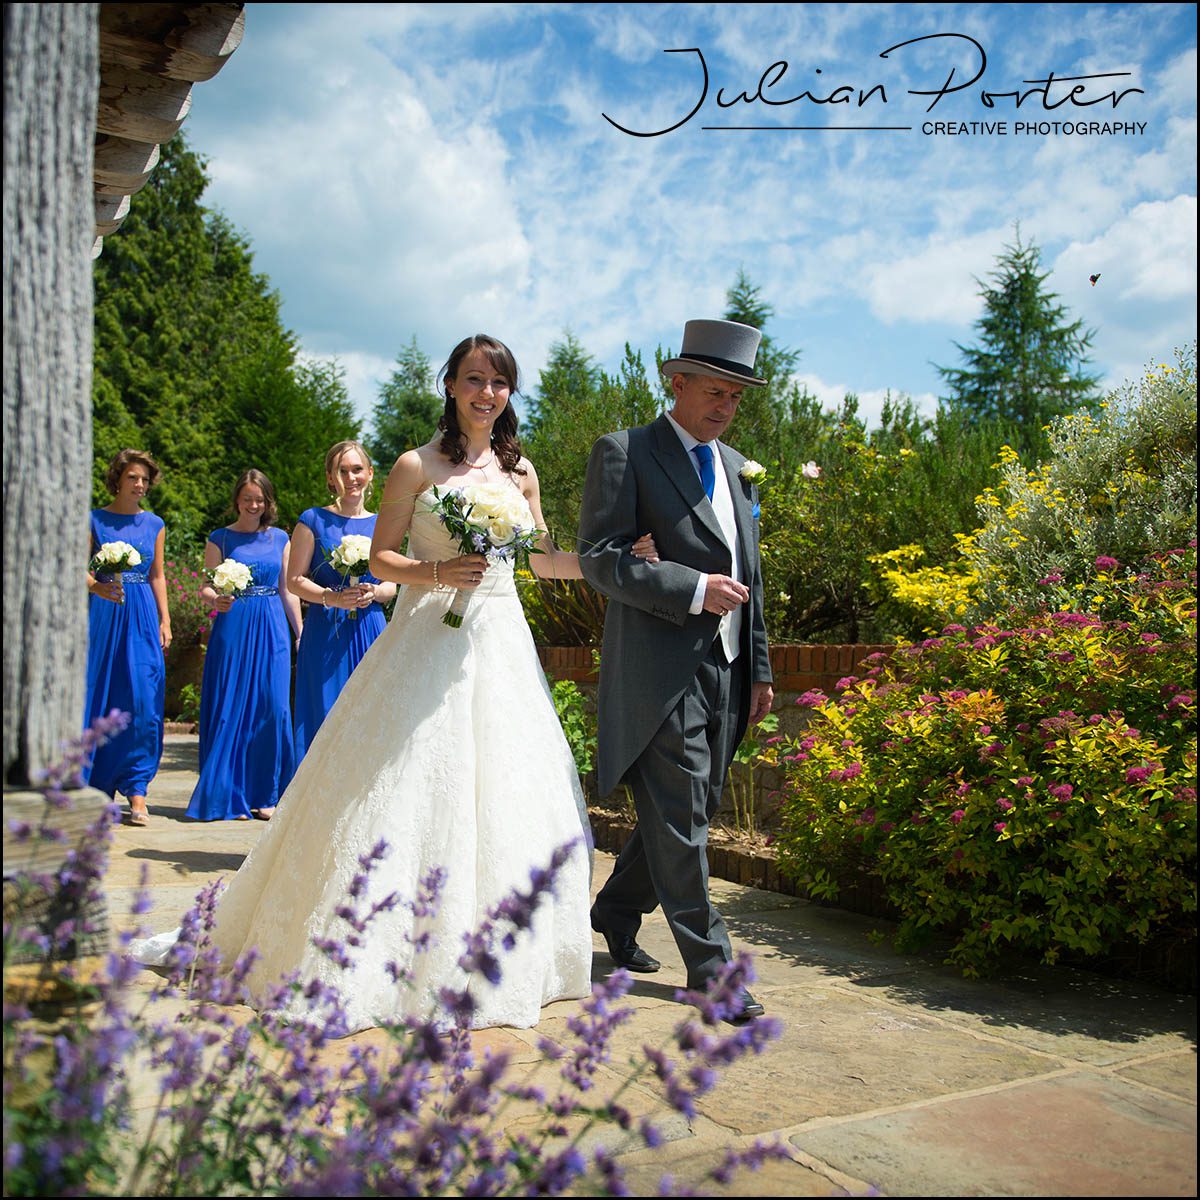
[
  {"x": 191, "y": 617},
  {"x": 1030, "y": 784}
]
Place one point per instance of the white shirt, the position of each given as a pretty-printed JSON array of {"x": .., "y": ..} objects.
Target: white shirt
[{"x": 730, "y": 628}]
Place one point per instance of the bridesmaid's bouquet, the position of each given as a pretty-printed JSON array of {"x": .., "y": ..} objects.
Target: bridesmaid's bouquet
[
  {"x": 351, "y": 558},
  {"x": 114, "y": 558},
  {"x": 230, "y": 578},
  {"x": 492, "y": 519}
]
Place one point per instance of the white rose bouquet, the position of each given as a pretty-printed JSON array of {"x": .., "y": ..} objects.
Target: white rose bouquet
[
  {"x": 351, "y": 558},
  {"x": 113, "y": 558},
  {"x": 230, "y": 578},
  {"x": 492, "y": 519}
]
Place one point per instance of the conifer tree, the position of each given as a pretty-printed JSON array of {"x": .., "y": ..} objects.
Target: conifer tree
[
  {"x": 408, "y": 409},
  {"x": 570, "y": 379},
  {"x": 192, "y": 361},
  {"x": 1029, "y": 364}
]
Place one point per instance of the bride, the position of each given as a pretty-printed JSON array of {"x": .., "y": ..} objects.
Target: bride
[{"x": 445, "y": 744}]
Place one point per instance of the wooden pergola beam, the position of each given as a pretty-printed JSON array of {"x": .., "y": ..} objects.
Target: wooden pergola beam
[{"x": 151, "y": 55}]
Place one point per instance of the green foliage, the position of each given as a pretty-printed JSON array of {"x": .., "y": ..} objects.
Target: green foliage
[
  {"x": 286, "y": 417},
  {"x": 758, "y": 748},
  {"x": 1117, "y": 484},
  {"x": 1029, "y": 364},
  {"x": 189, "y": 703},
  {"x": 408, "y": 409},
  {"x": 570, "y": 379},
  {"x": 191, "y": 617},
  {"x": 575, "y": 406},
  {"x": 909, "y": 483},
  {"x": 578, "y": 720},
  {"x": 191, "y": 356},
  {"x": 1030, "y": 786}
]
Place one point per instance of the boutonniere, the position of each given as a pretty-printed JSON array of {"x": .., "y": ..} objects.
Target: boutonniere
[{"x": 753, "y": 472}]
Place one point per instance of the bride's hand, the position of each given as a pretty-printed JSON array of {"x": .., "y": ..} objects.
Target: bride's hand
[
  {"x": 645, "y": 548},
  {"x": 463, "y": 572}
]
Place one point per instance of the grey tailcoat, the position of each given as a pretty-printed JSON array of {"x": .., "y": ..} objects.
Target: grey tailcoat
[{"x": 642, "y": 480}]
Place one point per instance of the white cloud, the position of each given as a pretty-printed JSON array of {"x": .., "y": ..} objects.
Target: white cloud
[
  {"x": 433, "y": 170},
  {"x": 935, "y": 283}
]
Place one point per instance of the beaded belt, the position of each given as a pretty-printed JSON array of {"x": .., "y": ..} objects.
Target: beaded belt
[
  {"x": 127, "y": 577},
  {"x": 259, "y": 590}
]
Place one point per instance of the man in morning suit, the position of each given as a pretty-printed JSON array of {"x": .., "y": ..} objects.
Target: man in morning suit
[{"x": 684, "y": 667}]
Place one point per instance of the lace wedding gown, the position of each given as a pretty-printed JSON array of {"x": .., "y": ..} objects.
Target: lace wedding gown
[{"x": 444, "y": 743}]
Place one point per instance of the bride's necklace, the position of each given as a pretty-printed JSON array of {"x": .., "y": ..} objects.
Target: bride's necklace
[{"x": 479, "y": 466}]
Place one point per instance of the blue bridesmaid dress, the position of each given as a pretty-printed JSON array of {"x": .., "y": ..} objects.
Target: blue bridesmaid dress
[
  {"x": 331, "y": 644},
  {"x": 246, "y": 750},
  {"x": 125, "y": 667}
]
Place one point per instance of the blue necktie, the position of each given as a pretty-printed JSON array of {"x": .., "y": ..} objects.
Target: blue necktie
[{"x": 704, "y": 456}]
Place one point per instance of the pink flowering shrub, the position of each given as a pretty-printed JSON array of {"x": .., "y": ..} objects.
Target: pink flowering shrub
[
  {"x": 1028, "y": 784},
  {"x": 191, "y": 618}
]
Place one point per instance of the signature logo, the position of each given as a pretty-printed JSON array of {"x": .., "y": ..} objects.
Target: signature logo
[{"x": 1051, "y": 93}]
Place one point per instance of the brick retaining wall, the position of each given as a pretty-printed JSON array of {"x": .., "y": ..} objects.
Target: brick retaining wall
[{"x": 797, "y": 669}]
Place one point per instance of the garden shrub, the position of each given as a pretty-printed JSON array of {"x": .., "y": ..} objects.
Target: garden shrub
[
  {"x": 1029, "y": 784},
  {"x": 191, "y": 617},
  {"x": 830, "y": 540},
  {"x": 1118, "y": 483}
]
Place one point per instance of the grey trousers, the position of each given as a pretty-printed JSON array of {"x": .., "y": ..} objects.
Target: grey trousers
[{"x": 676, "y": 785}]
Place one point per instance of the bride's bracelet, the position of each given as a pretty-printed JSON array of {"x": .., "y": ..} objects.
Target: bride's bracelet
[{"x": 437, "y": 583}]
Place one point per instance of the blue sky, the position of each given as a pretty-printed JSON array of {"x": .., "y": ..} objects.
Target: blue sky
[{"x": 438, "y": 170}]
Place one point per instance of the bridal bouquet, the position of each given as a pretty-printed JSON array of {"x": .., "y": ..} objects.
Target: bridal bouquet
[
  {"x": 230, "y": 578},
  {"x": 113, "y": 558},
  {"x": 492, "y": 519},
  {"x": 351, "y": 558}
]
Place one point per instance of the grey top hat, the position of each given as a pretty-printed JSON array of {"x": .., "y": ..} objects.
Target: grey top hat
[{"x": 726, "y": 349}]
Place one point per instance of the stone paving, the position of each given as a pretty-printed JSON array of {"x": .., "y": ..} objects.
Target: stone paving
[{"x": 893, "y": 1076}]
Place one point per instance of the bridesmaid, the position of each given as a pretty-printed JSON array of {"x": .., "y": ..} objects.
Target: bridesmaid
[
  {"x": 129, "y": 630},
  {"x": 246, "y": 748},
  {"x": 332, "y": 644}
]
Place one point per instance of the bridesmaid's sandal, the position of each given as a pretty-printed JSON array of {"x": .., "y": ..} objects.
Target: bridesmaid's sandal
[
  {"x": 139, "y": 816},
  {"x": 262, "y": 814}
]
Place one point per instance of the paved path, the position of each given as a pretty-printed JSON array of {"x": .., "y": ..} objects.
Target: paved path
[{"x": 894, "y": 1075}]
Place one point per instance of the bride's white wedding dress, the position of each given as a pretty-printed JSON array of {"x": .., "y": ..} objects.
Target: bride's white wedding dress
[{"x": 445, "y": 744}]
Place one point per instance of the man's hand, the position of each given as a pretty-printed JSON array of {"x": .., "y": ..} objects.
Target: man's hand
[
  {"x": 762, "y": 696},
  {"x": 724, "y": 594}
]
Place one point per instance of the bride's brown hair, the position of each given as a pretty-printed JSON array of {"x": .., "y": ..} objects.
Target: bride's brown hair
[{"x": 505, "y": 445}]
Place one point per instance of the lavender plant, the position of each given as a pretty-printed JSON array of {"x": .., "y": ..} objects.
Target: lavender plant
[{"x": 254, "y": 1106}]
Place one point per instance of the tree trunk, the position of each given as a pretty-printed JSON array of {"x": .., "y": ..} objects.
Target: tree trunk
[{"x": 51, "y": 81}]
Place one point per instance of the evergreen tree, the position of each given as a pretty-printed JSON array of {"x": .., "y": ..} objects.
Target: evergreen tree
[
  {"x": 782, "y": 423},
  {"x": 576, "y": 404},
  {"x": 408, "y": 409},
  {"x": 742, "y": 303},
  {"x": 262, "y": 424},
  {"x": 1029, "y": 365},
  {"x": 570, "y": 379},
  {"x": 191, "y": 358}
]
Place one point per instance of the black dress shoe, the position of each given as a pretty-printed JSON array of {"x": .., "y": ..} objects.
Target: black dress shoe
[
  {"x": 748, "y": 1009},
  {"x": 624, "y": 950}
]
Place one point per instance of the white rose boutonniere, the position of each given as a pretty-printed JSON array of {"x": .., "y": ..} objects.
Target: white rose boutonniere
[{"x": 753, "y": 472}]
